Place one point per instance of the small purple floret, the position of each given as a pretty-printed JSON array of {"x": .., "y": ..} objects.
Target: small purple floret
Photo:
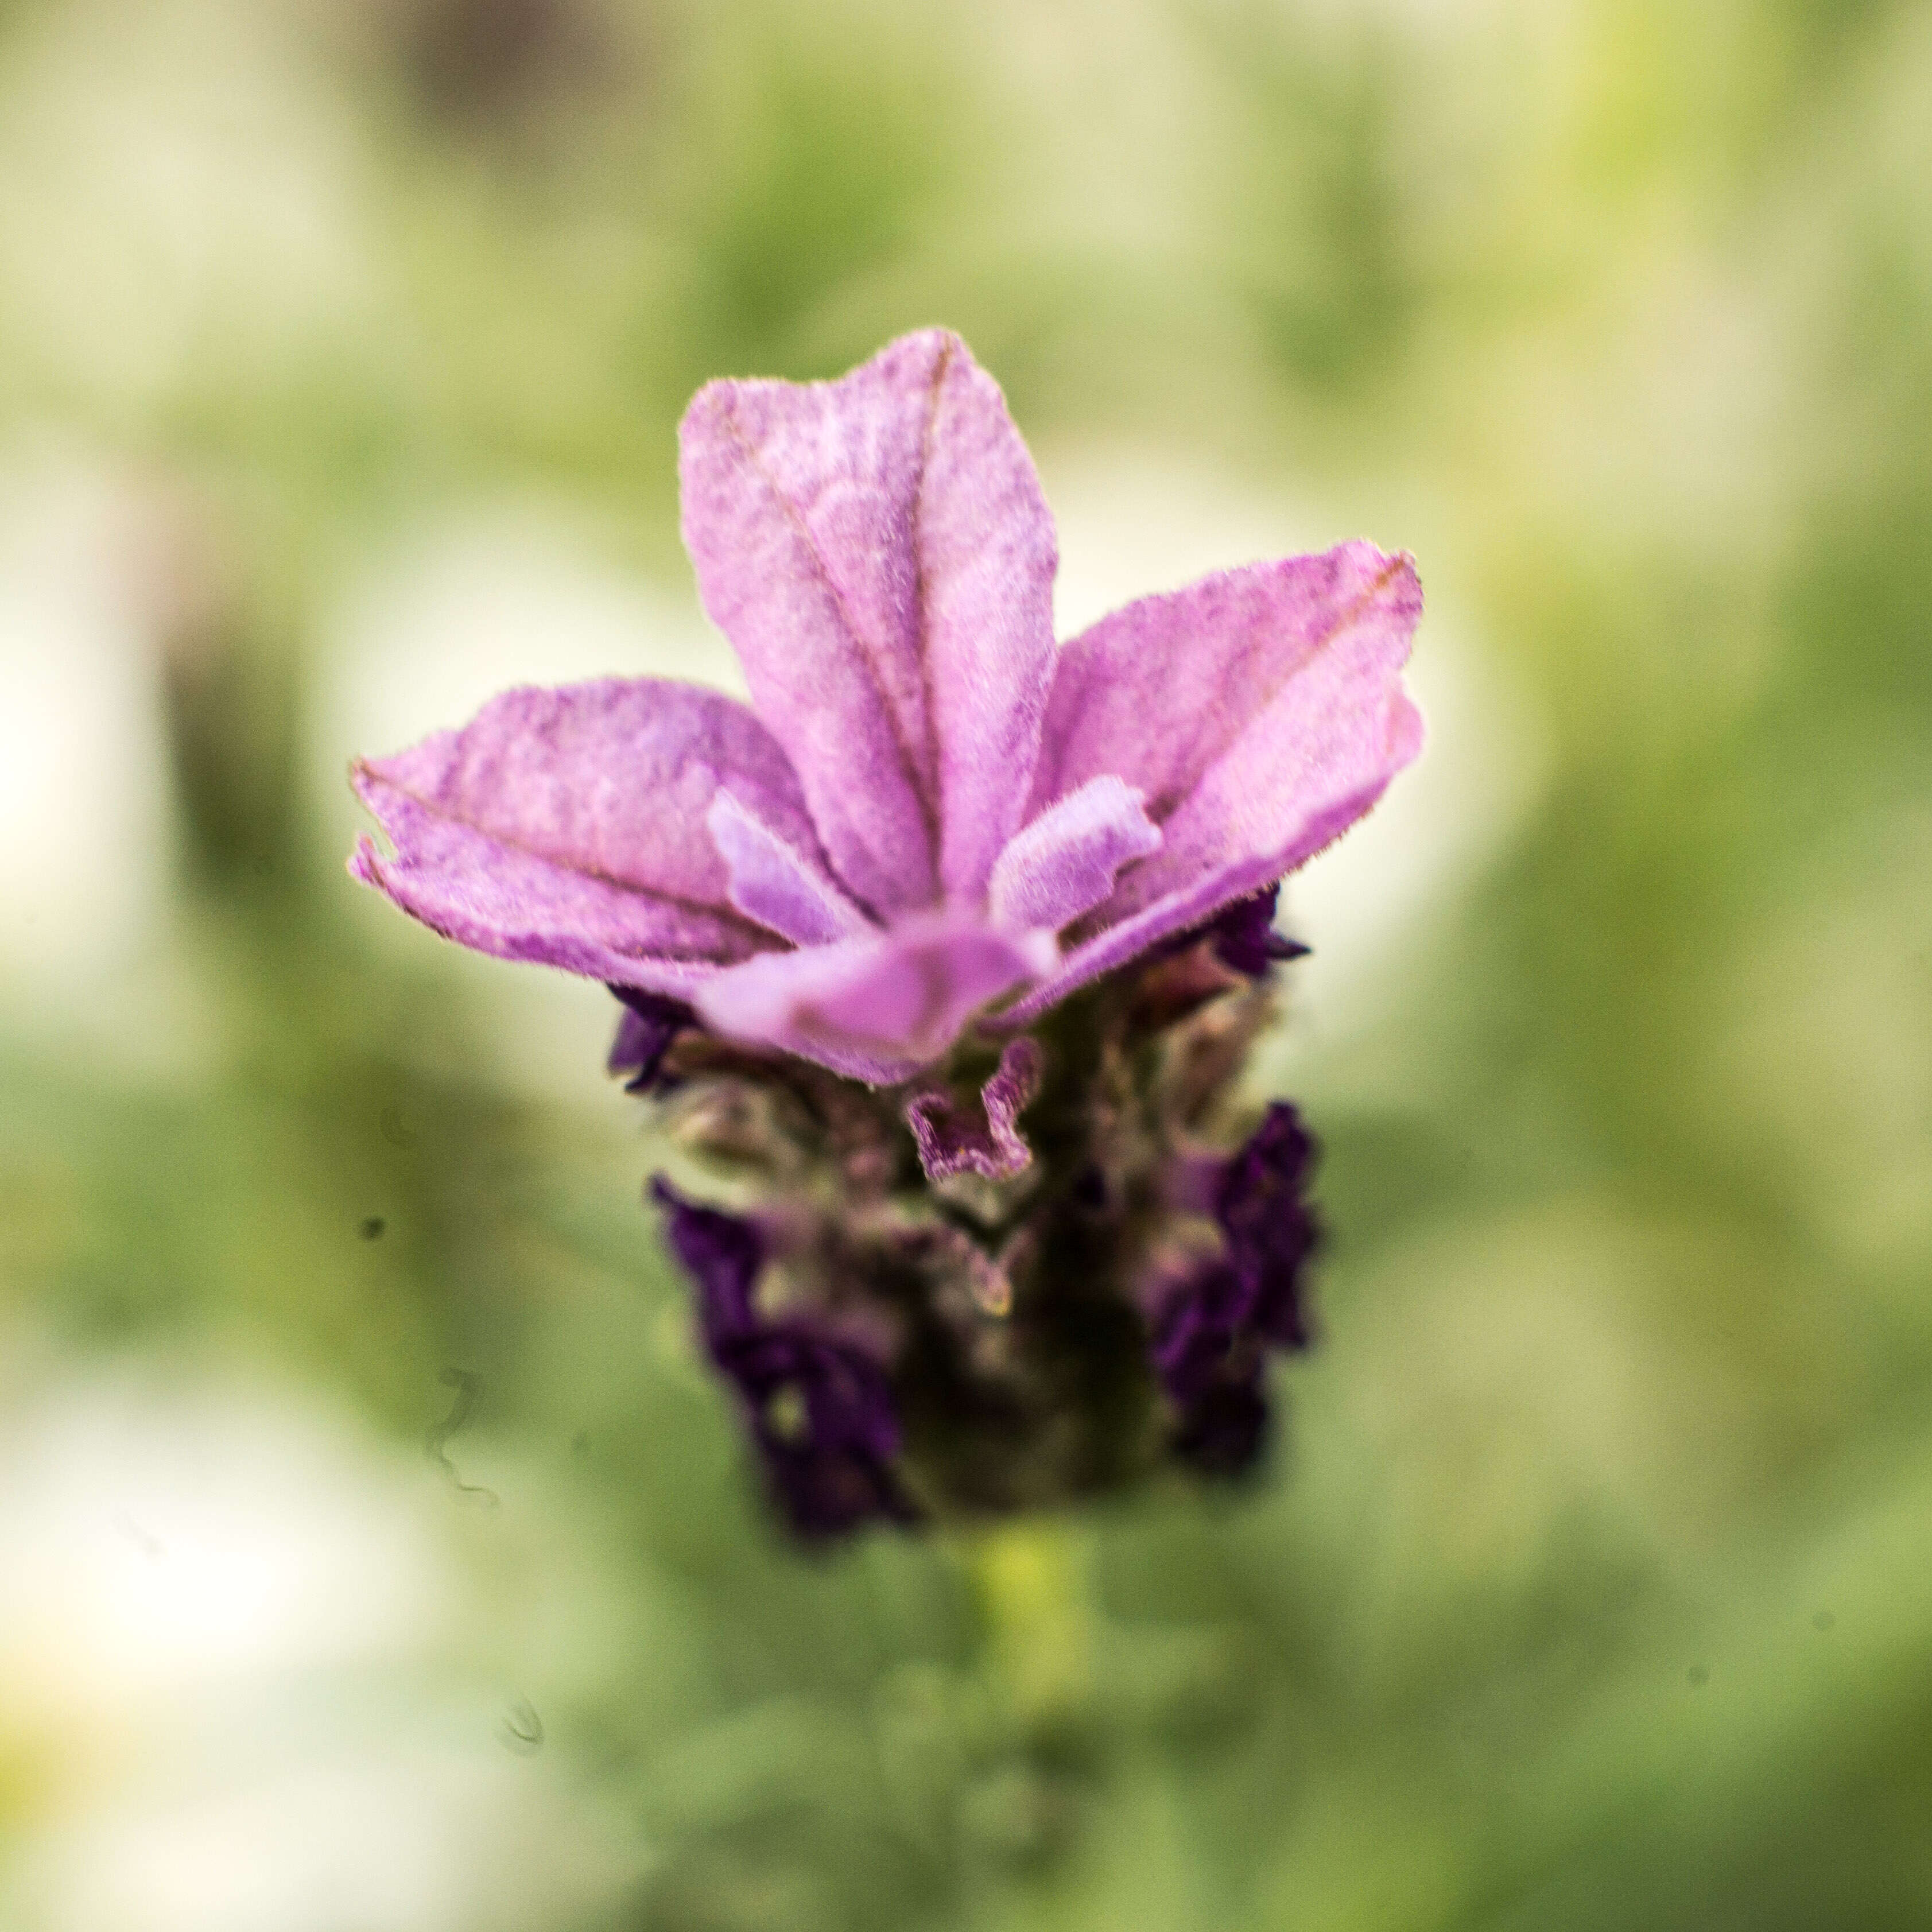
[
  {"x": 1200, "y": 1331},
  {"x": 1209, "y": 1337},
  {"x": 1271, "y": 1229},
  {"x": 829, "y": 1455},
  {"x": 820, "y": 1410},
  {"x": 1244, "y": 938},
  {"x": 649, "y": 1024},
  {"x": 722, "y": 1253}
]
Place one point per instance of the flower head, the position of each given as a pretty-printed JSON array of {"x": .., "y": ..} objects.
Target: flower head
[
  {"x": 928, "y": 815},
  {"x": 951, "y": 944}
]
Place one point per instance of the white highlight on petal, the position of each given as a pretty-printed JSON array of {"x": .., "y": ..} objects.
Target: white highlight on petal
[{"x": 1066, "y": 860}]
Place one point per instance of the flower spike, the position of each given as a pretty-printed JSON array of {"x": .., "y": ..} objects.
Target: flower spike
[{"x": 952, "y": 941}]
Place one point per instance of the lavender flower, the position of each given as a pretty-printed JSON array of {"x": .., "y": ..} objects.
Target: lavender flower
[{"x": 952, "y": 940}]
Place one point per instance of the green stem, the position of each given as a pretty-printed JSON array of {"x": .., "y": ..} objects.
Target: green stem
[{"x": 1032, "y": 1582}]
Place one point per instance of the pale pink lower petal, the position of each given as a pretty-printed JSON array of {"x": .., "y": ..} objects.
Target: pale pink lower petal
[
  {"x": 774, "y": 883},
  {"x": 877, "y": 551},
  {"x": 568, "y": 827},
  {"x": 1066, "y": 860},
  {"x": 983, "y": 1138},
  {"x": 878, "y": 1007}
]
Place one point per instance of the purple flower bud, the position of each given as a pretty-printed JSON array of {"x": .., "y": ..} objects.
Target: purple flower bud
[
  {"x": 1210, "y": 1336},
  {"x": 820, "y": 1409},
  {"x": 1241, "y": 936},
  {"x": 1200, "y": 1330},
  {"x": 649, "y": 1024},
  {"x": 1244, "y": 938},
  {"x": 1271, "y": 1229},
  {"x": 822, "y": 1414},
  {"x": 722, "y": 1253}
]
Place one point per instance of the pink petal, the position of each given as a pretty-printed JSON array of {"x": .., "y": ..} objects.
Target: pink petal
[
  {"x": 1159, "y": 692},
  {"x": 1066, "y": 860},
  {"x": 568, "y": 827},
  {"x": 878, "y": 551},
  {"x": 774, "y": 884},
  {"x": 1114, "y": 945},
  {"x": 1288, "y": 678},
  {"x": 985, "y": 1140},
  {"x": 877, "y": 1007}
]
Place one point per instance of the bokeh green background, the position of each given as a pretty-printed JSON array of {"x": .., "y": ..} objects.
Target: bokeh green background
[{"x": 341, "y": 345}]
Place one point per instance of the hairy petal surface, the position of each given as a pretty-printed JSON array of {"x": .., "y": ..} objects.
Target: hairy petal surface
[
  {"x": 878, "y": 1007},
  {"x": 776, "y": 884},
  {"x": 1065, "y": 863},
  {"x": 568, "y": 827},
  {"x": 985, "y": 1139},
  {"x": 1292, "y": 674},
  {"x": 877, "y": 551},
  {"x": 1162, "y": 690}
]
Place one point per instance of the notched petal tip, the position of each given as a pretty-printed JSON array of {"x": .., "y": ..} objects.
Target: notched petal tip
[{"x": 983, "y": 1138}]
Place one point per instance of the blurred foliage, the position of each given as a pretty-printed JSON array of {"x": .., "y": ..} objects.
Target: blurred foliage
[{"x": 1594, "y": 1589}]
